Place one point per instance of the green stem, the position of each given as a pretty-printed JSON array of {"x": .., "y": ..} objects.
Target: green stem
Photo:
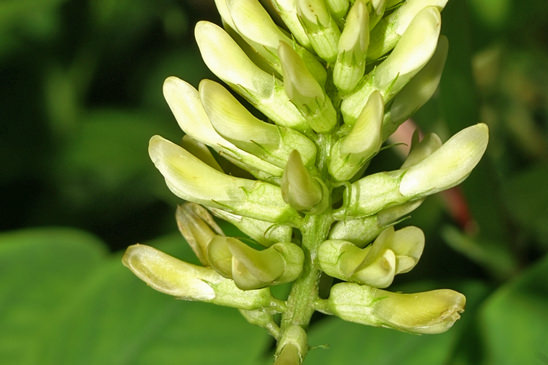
[{"x": 304, "y": 293}]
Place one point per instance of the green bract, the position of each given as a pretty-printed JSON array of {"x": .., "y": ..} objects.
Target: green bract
[{"x": 329, "y": 85}]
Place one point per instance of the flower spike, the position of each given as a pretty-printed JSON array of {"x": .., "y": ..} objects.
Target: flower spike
[{"x": 328, "y": 82}]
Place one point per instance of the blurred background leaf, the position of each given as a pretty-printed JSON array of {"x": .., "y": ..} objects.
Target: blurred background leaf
[{"x": 78, "y": 306}]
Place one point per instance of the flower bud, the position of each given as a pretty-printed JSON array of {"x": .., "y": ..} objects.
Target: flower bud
[
  {"x": 428, "y": 312},
  {"x": 287, "y": 9},
  {"x": 447, "y": 166},
  {"x": 227, "y": 60},
  {"x": 393, "y": 252},
  {"x": 408, "y": 244},
  {"x": 339, "y": 258},
  {"x": 234, "y": 122},
  {"x": 338, "y": 9},
  {"x": 321, "y": 28},
  {"x": 264, "y": 233},
  {"x": 252, "y": 269},
  {"x": 413, "y": 51},
  {"x": 257, "y": 28},
  {"x": 171, "y": 276},
  {"x": 352, "y": 152},
  {"x": 389, "y": 30},
  {"x": 376, "y": 11},
  {"x": 304, "y": 91},
  {"x": 197, "y": 227},
  {"x": 293, "y": 346},
  {"x": 193, "y": 180},
  {"x": 299, "y": 188},
  {"x": 184, "y": 102},
  {"x": 418, "y": 91},
  {"x": 352, "y": 48}
]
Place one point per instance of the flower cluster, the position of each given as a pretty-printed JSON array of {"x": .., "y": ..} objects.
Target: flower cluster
[{"x": 331, "y": 80}]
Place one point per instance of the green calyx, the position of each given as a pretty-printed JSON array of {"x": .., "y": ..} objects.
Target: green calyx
[{"x": 283, "y": 153}]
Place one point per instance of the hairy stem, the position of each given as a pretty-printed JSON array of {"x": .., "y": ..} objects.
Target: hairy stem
[{"x": 300, "y": 303}]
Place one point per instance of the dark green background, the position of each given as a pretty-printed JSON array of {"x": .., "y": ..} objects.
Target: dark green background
[{"x": 79, "y": 99}]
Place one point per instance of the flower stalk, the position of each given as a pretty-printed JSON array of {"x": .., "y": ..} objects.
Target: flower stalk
[{"x": 329, "y": 86}]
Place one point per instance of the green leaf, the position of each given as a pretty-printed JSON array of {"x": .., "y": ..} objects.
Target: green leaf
[
  {"x": 40, "y": 268},
  {"x": 102, "y": 314},
  {"x": 514, "y": 319}
]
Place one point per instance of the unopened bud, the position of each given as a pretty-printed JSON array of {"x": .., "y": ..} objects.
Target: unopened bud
[
  {"x": 428, "y": 312},
  {"x": 193, "y": 180},
  {"x": 258, "y": 29},
  {"x": 418, "y": 91},
  {"x": 352, "y": 152},
  {"x": 253, "y": 269},
  {"x": 413, "y": 51},
  {"x": 234, "y": 122},
  {"x": 171, "y": 276},
  {"x": 184, "y": 102},
  {"x": 197, "y": 227},
  {"x": 389, "y": 30},
  {"x": 408, "y": 244},
  {"x": 447, "y": 166},
  {"x": 305, "y": 92},
  {"x": 293, "y": 346},
  {"x": 392, "y": 253},
  {"x": 226, "y": 59},
  {"x": 376, "y": 11},
  {"x": 338, "y": 8},
  {"x": 299, "y": 188},
  {"x": 352, "y": 48},
  {"x": 288, "y": 12},
  {"x": 339, "y": 258},
  {"x": 321, "y": 28}
]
